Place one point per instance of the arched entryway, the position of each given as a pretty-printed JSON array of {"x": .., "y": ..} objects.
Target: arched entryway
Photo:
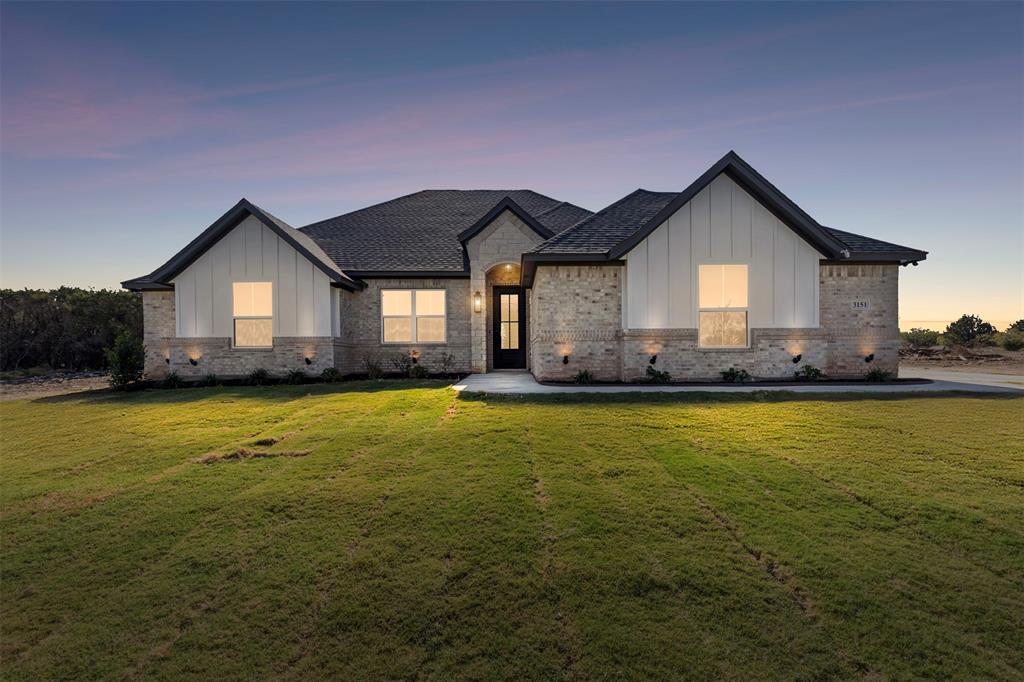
[{"x": 506, "y": 318}]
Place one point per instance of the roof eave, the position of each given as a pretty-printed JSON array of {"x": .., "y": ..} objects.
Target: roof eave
[
  {"x": 530, "y": 260},
  {"x": 506, "y": 204}
]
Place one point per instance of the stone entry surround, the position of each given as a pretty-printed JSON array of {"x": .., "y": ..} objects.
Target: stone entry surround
[{"x": 577, "y": 312}]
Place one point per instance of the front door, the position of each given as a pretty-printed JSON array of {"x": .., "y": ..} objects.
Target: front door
[{"x": 509, "y": 328}]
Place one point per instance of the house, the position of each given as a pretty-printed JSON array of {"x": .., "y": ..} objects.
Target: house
[{"x": 728, "y": 272}]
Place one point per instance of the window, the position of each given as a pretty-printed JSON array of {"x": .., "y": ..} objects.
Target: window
[
  {"x": 413, "y": 315},
  {"x": 509, "y": 309},
  {"x": 253, "y": 308},
  {"x": 722, "y": 297}
]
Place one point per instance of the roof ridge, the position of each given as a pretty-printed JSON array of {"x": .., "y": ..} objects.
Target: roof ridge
[{"x": 590, "y": 217}]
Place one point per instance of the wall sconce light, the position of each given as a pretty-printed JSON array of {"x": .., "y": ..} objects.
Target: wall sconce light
[
  {"x": 415, "y": 355},
  {"x": 193, "y": 361},
  {"x": 167, "y": 359},
  {"x": 798, "y": 357},
  {"x": 309, "y": 360},
  {"x": 869, "y": 357},
  {"x": 654, "y": 359},
  {"x": 478, "y": 302},
  {"x": 565, "y": 359}
]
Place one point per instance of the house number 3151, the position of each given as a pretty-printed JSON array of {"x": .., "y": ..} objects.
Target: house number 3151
[{"x": 859, "y": 305}]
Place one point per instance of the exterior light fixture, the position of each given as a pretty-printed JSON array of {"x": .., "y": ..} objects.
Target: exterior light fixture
[
  {"x": 478, "y": 303},
  {"x": 508, "y": 266},
  {"x": 565, "y": 359},
  {"x": 193, "y": 361},
  {"x": 309, "y": 360},
  {"x": 415, "y": 355},
  {"x": 798, "y": 357},
  {"x": 869, "y": 357},
  {"x": 167, "y": 359},
  {"x": 654, "y": 359}
]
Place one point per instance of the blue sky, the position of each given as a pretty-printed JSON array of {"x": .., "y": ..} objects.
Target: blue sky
[{"x": 128, "y": 127}]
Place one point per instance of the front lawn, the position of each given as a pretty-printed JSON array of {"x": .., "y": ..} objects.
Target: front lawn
[{"x": 393, "y": 531}]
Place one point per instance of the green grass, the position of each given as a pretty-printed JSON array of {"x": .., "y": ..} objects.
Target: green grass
[{"x": 406, "y": 533}]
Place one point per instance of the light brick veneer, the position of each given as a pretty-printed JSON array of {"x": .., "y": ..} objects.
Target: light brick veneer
[
  {"x": 157, "y": 328},
  {"x": 577, "y": 311},
  {"x": 360, "y": 337}
]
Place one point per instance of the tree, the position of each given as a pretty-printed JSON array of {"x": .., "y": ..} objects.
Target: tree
[
  {"x": 1017, "y": 326},
  {"x": 125, "y": 359},
  {"x": 968, "y": 330}
]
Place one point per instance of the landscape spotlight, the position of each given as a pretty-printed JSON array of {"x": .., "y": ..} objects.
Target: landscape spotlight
[
  {"x": 797, "y": 358},
  {"x": 654, "y": 359},
  {"x": 869, "y": 357}
]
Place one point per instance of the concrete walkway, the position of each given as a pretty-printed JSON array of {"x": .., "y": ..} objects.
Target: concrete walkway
[
  {"x": 983, "y": 378},
  {"x": 523, "y": 383}
]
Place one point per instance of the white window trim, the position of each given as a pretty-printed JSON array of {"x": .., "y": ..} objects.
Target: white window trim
[
  {"x": 235, "y": 318},
  {"x": 414, "y": 318},
  {"x": 745, "y": 310}
]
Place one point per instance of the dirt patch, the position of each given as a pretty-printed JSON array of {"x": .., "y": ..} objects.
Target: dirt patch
[
  {"x": 989, "y": 360},
  {"x": 267, "y": 442},
  {"x": 58, "y": 383},
  {"x": 245, "y": 453}
]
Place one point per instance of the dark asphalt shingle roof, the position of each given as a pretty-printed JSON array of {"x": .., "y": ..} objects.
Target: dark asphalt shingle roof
[{"x": 419, "y": 232}]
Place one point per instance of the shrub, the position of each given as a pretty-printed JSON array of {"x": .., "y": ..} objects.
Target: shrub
[
  {"x": 583, "y": 377},
  {"x": 258, "y": 377},
  {"x": 808, "y": 373},
  {"x": 655, "y": 376},
  {"x": 373, "y": 368},
  {"x": 331, "y": 375},
  {"x": 879, "y": 374},
  {"x": 418, "y": 371},
  {"x": 295, "y": 376},
  {"x": 447, "y": 363},
  {"x": 921, "y": 338},
  {"x": 968, "y": 330},
  {"x": 125, "y": 358},
  {"x": 1013, "y": 340},
  {"x": 402, "y": 363},
  {"x": 736, "y": 376},
  {"x": 209, "y": 380},
  {"x": 1017, "y": 326},
  {"x": 172, "y": 380}
]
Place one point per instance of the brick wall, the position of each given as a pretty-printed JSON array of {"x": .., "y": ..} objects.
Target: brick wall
[
  {"x": 157, "y": 329},
  {"x": 216, "y": 356},
  {"x": 576, "y": 311},
  {"x": 360, "y": 337}
]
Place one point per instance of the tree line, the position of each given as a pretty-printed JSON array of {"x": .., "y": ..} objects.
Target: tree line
[{"x": 65, "y": 328}]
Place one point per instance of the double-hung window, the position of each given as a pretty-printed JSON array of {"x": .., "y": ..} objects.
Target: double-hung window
[
  {"x": 412, "y": 315},
  {"x": 253, "y": 311},
  {"x": 723, "y": 306}
]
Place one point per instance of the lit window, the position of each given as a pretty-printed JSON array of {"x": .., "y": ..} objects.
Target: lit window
[
  {"x": 723, "y": 306},
  {"x": 413, "y": 315},
  {"x": 253, "y": 310}
]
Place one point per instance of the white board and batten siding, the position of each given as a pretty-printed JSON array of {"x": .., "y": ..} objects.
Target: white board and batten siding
[
  {"x": 722, "y": 224},
  {"x": 252, "y": 252}
]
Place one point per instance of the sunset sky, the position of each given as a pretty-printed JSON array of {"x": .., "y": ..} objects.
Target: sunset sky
[{"x": 127, "y": 128}]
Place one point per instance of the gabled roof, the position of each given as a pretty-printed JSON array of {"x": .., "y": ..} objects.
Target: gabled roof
[
  {"x": 506, "y": 204},
  {"x": 613, "y": 231},
  {"x": 423, "y": 233},
  {"x": 162, "y": 276}
]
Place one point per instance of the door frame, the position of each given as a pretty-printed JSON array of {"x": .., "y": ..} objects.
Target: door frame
[{"x": 507, "y": 359}]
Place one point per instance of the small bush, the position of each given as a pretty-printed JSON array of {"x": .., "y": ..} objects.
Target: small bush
[
  {"x": 1017, "y": 326},
  {"x": 258, "y": 377},
  {"x": 373, "y": 368},
  {"x": 1013, "y": 340},
  {"x": 331, "y": 375},
  {"x": 125, "y": 359},
  {"x": 583, "y": 377},
  {"x": 879, "y": 374},
  {"x": 808, "y": 373},
  {"x": 969, "y": 330},
  {"x": 418, "y": 371},
  {"x": 172, "y": 380},
  {"x": 447, "y": 363},
  {"x": 655, "y": 376},
  {"x": 295, "y": 376},
  {"x": 209, "y": 380},
  {"x": 921, "y": 338},
  {"x": 736, "y": 376},
  {"x": 401, "y": 363}
]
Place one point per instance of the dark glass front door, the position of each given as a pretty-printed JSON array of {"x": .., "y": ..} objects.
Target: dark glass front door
[{"x": 509, "y": 328}]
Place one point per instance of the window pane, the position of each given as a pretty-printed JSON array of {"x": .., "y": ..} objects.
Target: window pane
[
  {"x": 513, "y": 336},
  {"x": 429, "y": 302},
  {"x": 396, "y": 302},
  {"x": 710, "y": 286},
  {"x": 734, "y": 286},
  {"x": 254, "y": 333},
  {"x": 241, "y": 296},
  {"x": 726, "y": 329},
  {"x": 513, "y": 307},
  {"x": 262, "y": 299},
  {"x": 430, "y": 329},
  {"x": 397, "y": 329}
]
